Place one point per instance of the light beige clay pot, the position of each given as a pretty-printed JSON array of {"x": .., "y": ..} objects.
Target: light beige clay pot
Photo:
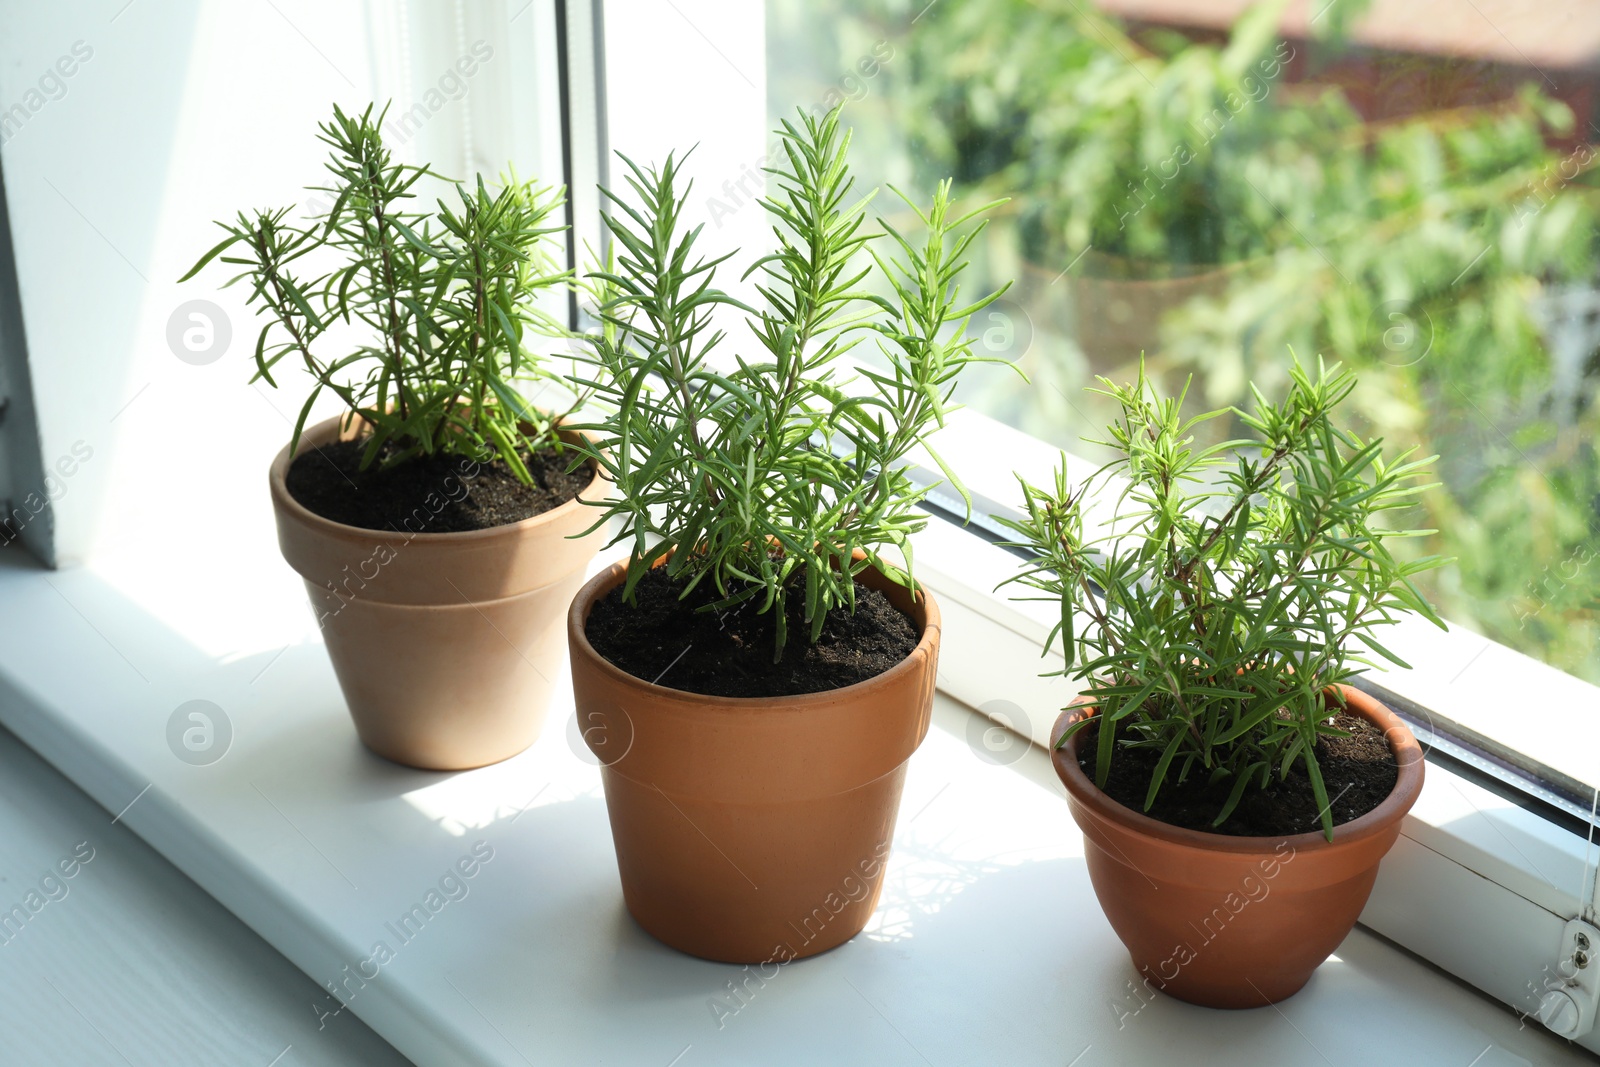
[{"x": 445, "y": 644}]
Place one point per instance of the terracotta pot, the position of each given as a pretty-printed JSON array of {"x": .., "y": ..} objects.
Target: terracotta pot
[
  {"x": 753, "y": 830},
  {"x": 1234, "y": 922},
  {"x": 445, "y": 644},
  {"x": 1119, "y": 303}
]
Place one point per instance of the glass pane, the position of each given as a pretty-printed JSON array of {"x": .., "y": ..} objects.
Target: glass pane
[{"x": 1405, "y": 186}]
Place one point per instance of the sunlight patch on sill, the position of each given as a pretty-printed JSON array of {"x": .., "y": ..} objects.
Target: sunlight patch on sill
[
  {"x": 459, "y": 804},
  {"x": 498, "y": 796}
]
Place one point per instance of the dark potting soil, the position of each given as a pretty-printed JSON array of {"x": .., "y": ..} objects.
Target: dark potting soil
[
  {"x": 429, "y": 494},
  {"x": 663, "y": 639},
  {"x": 1358, "y": 771}
]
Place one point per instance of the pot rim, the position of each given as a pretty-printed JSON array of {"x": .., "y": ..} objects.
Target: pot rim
[
  {"x": 277, "y": 475},
  {"x": 608, "y": 579},
  {"x": 1407, "y": 787}
]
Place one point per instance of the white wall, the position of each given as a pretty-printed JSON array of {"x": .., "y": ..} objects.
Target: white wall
[
  {"x": 176, "y": 113},
  {"x": 184, "y": 111}
]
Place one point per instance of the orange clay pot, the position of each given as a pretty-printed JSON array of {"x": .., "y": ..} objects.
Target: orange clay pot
[
  {"x": 445, "y": 644},
  {"x": 753, "y": 829},
  {"x": 1234, "y": 922}
]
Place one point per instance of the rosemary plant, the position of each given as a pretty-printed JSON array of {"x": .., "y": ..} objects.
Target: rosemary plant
[
  {"x": 1232, "y": 586},
  {"x": 765, "y": 475},
  {"x": 444, "y": 301}
]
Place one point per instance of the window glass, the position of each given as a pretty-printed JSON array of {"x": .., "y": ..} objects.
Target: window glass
[{"x": 1406, "y": 186}]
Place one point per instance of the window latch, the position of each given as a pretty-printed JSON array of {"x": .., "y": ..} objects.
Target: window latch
[{"x": 1572, "y": 987}]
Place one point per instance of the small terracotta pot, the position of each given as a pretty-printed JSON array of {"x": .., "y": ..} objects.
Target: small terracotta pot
[
  {"x": 445, "y": 644},
  {"x": 1234, "y": 922},
  {"x": 1120, "y": 303},
  {"x": 755, "y": 829}
]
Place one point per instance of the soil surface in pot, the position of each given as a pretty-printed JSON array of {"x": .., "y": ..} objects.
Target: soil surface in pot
[
  {"x": 429, "y": 494},
  {"x": 664, "y": 639},
  {"x": 1358, "y": 771}
]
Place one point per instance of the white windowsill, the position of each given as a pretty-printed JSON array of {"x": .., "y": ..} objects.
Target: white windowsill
[{"x": 988, "y": 946}]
